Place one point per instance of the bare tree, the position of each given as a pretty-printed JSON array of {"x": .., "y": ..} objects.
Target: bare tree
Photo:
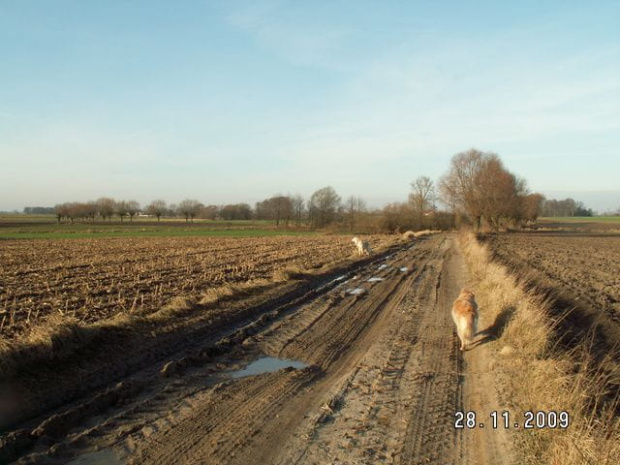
[
  {"x": 189, "y": 208},
  {"x": 122, "y": 209},
  {"x": 423, "y": 195},
  {"x": 238, "y": 211},
  {"x": 353, "y": 206},
  {"x": 211, "y": 212},
  {"x": 283, "y": 209},
  {"x": 90, "y": 210},
  {"x": 277, "y": 208},
  {"x": 133, "y": 208},
  {"x": 458, "y": 187},
  {"x": 501, "y": 193},
  {"x": 422, "y": 198},
  {"x": 74, "y": 211},
  {"x": 532, "y": 207},
  {"x": 106, "y": 207},
  {"x": 156, "y": 208},
  {"x": 61, "y": 211},
  {"x": 323, "y": 207},
  {"x": 298, "y": 206},
  {"x": 479, "y": 185}
]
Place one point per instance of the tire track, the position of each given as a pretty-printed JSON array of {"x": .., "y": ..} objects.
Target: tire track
[
  {"x": 325, "y": 331},
  {"x": 368, "y": 426},
  {"x": 385, "y": 381},
  {"x": 397, "y": 404}
]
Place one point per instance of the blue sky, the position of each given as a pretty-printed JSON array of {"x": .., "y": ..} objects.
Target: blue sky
[{"x": 235, "y": 101}]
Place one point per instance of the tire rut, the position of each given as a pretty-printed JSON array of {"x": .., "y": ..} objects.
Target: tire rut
[{"x": 384, "y": 381}]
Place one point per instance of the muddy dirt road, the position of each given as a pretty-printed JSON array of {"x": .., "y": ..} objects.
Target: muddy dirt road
[{"x": 382, "y": 381}]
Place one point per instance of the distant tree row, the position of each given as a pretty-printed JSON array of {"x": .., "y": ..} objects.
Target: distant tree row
[
  {"x": 39, "y": 210},
  {"x": 476, "y": 188},
  {"x": 325, "y": 208},
  {"x": 566, "y": 207},
  {"x": 104, "y": 208}
]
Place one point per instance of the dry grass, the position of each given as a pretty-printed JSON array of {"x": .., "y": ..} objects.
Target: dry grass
[
  {"x": 288, "y": 273},
  {"x": 63, "y": 336},
  {"x": 59, "y": 338},
  {"x": 219, "y": 294},
  {"x": 408, "y": 236},
  {"x": 539, "y": 376}
]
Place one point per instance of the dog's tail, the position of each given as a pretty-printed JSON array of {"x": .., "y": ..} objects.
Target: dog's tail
[{"x": 468, "y": 328}]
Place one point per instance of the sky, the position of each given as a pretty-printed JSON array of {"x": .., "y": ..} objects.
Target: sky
[{"x": 234, "y": 101}]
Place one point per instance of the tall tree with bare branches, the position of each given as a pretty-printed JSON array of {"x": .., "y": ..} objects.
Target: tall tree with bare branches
[
  {"x": 122, "y": 209},
  {"x": 422, "y": 197},
  {"x": 479, "y": 185},
  {"x": 106, "y": 207},
  {"x": 323, "y": 207},
  {"x": 157, "y": 208},
  {"x": 458, "y": 187},
  {"x": 353, "y": 206},
  {"x": 189, "y": 209},
  {"x": 299, "y": 207},
  {"x": 133, "y": 208}
]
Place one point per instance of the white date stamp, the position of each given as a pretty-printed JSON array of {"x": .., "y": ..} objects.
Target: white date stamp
[{"x": 527, "y": 420}]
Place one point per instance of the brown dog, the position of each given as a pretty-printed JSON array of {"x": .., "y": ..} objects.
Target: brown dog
[{"x": 465, "y": 316}]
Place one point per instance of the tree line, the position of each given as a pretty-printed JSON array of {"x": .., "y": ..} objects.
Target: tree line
[
  {"x": 323, "y": 209},
  {"x": 565, "y": 207},
  {"x": 477, "y": 188}
]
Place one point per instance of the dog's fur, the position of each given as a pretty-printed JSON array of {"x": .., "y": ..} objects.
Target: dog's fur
[
  {"x": 465, "y": 316},
  {"x": 363, "y": 247}
]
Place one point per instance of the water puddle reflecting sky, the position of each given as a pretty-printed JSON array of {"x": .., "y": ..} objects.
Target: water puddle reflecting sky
[{"x": 267, "y": 365}]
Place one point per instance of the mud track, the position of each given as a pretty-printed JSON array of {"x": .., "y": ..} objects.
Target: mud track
[{"x": 383, "y": 381}]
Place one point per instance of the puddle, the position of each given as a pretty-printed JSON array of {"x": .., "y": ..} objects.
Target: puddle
[
  {"x": 336, "y": 280},
  {"x": 375, "y": 279},
  {"x": 267, "y": 365},
  {"x": 356, "y": 291},
  {"x": 102, "y": 457},
  {"x": 404, "y": 268},
  {"x": 382, "y": 267},
  {"x": 341, "y": 280}
]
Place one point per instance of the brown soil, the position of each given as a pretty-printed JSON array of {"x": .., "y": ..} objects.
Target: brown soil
[
  {"x": 384, "y": 380},
  {"x": 586, "y": 265},
  {"x": 580, "y": 274}
]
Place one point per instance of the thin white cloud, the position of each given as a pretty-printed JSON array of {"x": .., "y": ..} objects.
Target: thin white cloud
[{"x": 382, "y": 100}]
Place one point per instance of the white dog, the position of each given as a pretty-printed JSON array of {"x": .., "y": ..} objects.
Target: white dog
[{"x": 363, "y": 247}]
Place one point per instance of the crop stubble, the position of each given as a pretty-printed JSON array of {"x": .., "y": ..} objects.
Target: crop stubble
[{"x": 95, "y": 279}]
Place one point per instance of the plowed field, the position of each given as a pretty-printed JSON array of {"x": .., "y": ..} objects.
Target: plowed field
[{"x": 587, "y": 266}]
